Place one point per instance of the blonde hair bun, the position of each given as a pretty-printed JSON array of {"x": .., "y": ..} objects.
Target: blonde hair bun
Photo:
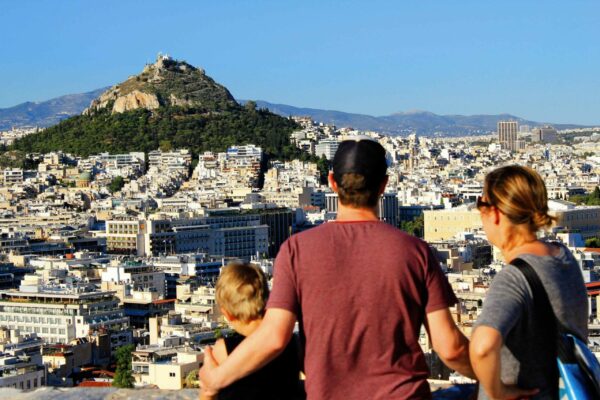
[{"x": 520, "y": 193}]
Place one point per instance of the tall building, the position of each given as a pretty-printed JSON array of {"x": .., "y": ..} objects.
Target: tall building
[
  {"x": 279, "y": 221},
  {"x": 388, "y": 209},
  {"x": 546, "y": 134},
  {"x": 331, "y": 202},
  {"x": 508, "y": 135}
]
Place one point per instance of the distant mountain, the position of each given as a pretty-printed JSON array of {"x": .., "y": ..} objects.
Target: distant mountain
[
  {"x": 170, "y": 104},
  {"x": 51, "y": 112},
  {"x": 46, "y": 113},
  {"x": 422, "y": 122}
]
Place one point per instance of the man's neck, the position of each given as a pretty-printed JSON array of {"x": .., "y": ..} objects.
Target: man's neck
[{"x": 347, "y": 213}]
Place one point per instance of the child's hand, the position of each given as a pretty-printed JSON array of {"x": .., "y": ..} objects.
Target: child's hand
[{"x": 207, "y": 374}]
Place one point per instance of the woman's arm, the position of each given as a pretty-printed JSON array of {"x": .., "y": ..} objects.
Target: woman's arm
[{"x": 485, "y": 347}]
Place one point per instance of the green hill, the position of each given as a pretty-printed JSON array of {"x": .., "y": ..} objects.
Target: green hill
[{"x": 171, "y": 104}]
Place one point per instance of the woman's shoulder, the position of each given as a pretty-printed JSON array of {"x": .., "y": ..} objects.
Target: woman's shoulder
[{"x": 559, "y": 260}]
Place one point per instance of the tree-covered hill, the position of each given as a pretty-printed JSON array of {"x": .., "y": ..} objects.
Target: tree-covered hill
[
  {"x": 171, "y": 126},
  {"x": 170, "y": 104}
]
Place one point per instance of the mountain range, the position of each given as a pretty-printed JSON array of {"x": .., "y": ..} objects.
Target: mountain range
[
  {"x": 422, "y": 122},
  {"x": 46, "y": 113},
  {"x": 51, "y": 112}
]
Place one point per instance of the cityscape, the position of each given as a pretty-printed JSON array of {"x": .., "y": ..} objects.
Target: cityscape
[{"x": 119, "y": 211}]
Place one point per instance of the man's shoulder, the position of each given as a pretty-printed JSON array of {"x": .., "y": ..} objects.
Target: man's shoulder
[{"x": 391, "y": 233}]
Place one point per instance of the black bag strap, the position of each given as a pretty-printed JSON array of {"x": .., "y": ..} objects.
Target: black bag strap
[
  {"x": 548, "y": 326},
  {"x": 564, "y": 345},
  {"x": 545, "y": 315}
]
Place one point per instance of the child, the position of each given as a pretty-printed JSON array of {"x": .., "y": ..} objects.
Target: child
[{"x": 242, "y": 294}]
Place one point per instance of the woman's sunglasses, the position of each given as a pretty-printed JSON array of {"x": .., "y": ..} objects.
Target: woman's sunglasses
[{"x": 481, "y": 203}]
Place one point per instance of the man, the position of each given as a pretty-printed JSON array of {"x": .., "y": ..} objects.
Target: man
[{"x": 360, "y": 290}]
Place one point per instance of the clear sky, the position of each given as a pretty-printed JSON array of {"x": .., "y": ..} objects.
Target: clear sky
[{"x": 536, "y": 59}]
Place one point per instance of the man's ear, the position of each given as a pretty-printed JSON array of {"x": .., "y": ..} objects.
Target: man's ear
[
  {"x": 383, "y": 184},
  {"x": 332, "y": 182}
]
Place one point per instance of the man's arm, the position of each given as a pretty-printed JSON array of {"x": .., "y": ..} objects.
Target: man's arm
[
  {"x": 449, "y": 342},
  {"x": 262, "y": 346}
]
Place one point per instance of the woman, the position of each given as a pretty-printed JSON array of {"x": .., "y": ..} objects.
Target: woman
[{"x": 506, "y": 351}]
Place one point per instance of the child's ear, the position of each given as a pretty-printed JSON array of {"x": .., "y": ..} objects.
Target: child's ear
[{"x": 227, "y": 315}]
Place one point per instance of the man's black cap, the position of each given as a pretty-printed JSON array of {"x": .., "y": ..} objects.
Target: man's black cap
[{"x": 365, "y": 157}]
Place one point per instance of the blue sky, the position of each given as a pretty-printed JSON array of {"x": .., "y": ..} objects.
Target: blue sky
[{"x": 535, "y": 59}]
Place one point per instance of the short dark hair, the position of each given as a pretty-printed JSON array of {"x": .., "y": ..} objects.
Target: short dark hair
[{"x": 359, "y": 170}]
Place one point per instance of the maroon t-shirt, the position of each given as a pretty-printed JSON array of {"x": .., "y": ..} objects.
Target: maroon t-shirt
[{"x": 361, "y": 291}]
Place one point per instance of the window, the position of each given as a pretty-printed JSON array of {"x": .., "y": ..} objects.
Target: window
[{"x": 171, "y": 374}]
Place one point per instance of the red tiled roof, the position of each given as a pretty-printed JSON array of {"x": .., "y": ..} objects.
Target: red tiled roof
[
  {"x": 94, "y": 384},
  {"x": 164, "y": 301}
]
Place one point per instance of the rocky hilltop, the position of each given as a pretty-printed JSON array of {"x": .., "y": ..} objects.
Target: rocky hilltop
[
  {"x": 170, "y": 104},
  {"x": 167, "y": 82}
]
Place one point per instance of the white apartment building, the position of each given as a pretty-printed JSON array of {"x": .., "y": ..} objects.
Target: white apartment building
[
  {"x": 197, "y": 306},
  {"x": 133, "y": 159},
  {"x": 166, "y": 368},
  {"x": 133, "y": 276},
  {"x": 176, "y": 160},
  {"x": 192, "y": 264},
  {"x": 230, "y": 235},
  {"x": 12, "y": 176},
  {"x": 248, "y": 150},
  {"x": 227, "y": 235},
  {"x": 21, "y": 372},
  {"x": 59, "y": 314},
  {"x": 327, "y": 148},
  {"x": 126, "y": 236}
]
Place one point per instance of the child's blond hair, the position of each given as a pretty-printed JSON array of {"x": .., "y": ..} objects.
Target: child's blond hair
[{"x": 242, "y": 291}]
